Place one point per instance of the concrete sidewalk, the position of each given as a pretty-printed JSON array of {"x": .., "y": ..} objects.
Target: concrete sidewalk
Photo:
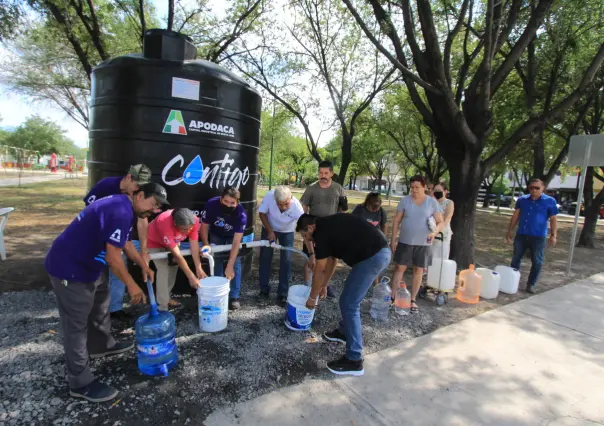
[{"x": 539, "y": 361}]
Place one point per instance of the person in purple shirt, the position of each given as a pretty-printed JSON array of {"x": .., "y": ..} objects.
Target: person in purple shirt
[
  {"x": 77, "y": 265},
  {"x": 137, "y": 175},
  {"x": 531, "y": 214},
  {"x": 223, "y": 222}
]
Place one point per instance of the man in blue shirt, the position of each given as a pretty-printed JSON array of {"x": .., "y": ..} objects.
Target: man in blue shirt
[
  {"x": 137, "y": 176},
  {"x": 77, "y": 265},
  {"x": 531, "y": 214}
]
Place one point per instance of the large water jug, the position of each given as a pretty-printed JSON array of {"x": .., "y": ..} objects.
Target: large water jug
[
  {"x": 442, "y": 274},
  {"x": 469, "y": 286},
  {"x": 156, "y": 340},
  {"x": 510, "y": 278},
  {"x": 402, "y": 300},
  {"x": 489, "y": 288},
  {"x": 382, "y": 297}
]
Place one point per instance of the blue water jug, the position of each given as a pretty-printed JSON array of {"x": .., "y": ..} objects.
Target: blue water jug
[{"x": 156, "y": 340}]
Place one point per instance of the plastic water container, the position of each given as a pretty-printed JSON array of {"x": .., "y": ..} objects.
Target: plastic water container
[
  {"x": 380, "y": 303},
  {"x": 402, "y": 300},
  {"x": 298, "y": 317},
  {"x": 443, "y": 280},
  {"x": 510, "y": 279},
  {"x": 156, "y": 340},
  {"x": 213, "y": 304},
  {"x": 468, "y": 290},
  {"x": 489, "y": 289}
]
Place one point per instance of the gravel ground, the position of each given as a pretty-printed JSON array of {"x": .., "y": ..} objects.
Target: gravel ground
[{"x": 254, "y": 355}]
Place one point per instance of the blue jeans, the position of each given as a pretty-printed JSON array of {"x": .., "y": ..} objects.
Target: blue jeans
[
  {"x": 357, "y": 285},
  {"x": 536, "y": 245},
  {"x": 286, "y": 239},
  {"x": 221, "y": 259},
  {"x": 117, "y": 289}
]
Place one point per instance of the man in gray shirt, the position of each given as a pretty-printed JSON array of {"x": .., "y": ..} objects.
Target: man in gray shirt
[{"x": 321, "y": 199}]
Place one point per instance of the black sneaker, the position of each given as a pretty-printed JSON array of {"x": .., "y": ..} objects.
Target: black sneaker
[
  {"x": 531, "y": 289},
  {"x": 282, "y": 301},
  {"x": 234, "y": 304},
  {"x": 118, "y": 348},
  {"x": 330, "y": 293},
  {"x": 346, "y": 367},
  {"x": 95, "y": 391},
  {"x": 335, "y": 336},
  {"x": 121, "y": 315}
]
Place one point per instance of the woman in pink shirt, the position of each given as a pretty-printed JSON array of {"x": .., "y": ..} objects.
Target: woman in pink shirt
[{"x": 166, "y": 232}]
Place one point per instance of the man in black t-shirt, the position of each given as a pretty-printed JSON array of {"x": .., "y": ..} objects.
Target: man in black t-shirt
[{"x": 365, "y": 249}]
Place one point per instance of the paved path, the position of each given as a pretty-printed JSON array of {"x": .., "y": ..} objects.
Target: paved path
[
  {"x": 12, "y": 180},
  {"x": 535, "y": 362}
]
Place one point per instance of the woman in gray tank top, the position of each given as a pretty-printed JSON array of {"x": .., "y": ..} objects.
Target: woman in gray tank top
[{"x": 420, "y": 222}]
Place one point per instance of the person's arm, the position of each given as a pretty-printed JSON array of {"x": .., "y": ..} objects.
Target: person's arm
[
  {"x": 440, "y": 224},
  {"x": 116, "y": 263},
  {"x": 449, "y": 213},
  {"x": 395, "y": 226},
  {"x": 204, "y": 232},
  {"x": 133, "y": 255},
  {"x": 553, "y": 223},
  {"x": 229, "y": 272},
  {"x": 306, "y": 200},
  {"x": 142, "y": 226},
  {"x": 384, "y": 222},
  {"x": 513, "y": 223},
  {"x": 196, "y": 254},
  {"x": 182, "y": 264},
  {"x": 267, "y": 226},
  {"x": 323, "y": 272}
]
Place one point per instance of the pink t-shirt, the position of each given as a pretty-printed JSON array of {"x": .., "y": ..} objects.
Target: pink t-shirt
[{"x": 163, "y": 233}]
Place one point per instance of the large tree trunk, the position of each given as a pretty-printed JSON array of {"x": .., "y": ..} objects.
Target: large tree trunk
[
  {"x": 592, "y": 211},
  {"x": 466, "y": 178}
]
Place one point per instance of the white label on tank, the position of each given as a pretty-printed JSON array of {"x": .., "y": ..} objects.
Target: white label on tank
[{"x": 186, "y": 89}]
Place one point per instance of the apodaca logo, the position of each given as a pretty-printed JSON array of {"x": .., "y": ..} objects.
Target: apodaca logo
[{"x": 175, "y": 124}]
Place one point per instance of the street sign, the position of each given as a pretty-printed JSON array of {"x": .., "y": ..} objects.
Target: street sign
[{"x": 586, "y": 151}]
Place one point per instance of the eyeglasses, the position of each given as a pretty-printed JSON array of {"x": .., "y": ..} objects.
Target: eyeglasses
[{"x": 535, "y": 188}]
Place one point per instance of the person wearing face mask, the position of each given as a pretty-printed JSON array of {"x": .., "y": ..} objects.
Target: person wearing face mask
[
  {"x": 278, "y": 212},
  {"x": 166, "y": 232},
  {"x": 77, "y": 265},
  {"x": 446, "y": 208},
  {"x": 223, "y": 222}
]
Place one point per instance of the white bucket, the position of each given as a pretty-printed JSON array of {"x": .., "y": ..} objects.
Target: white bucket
[
  {"x": 298, "y": 317},
  {"x": 213, "y": 303}
]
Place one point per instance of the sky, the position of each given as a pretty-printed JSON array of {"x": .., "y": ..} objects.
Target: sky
[{"x": 15, "y": 109}]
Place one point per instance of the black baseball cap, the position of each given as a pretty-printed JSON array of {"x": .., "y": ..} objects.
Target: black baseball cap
[{"x": 156, "y": 190}]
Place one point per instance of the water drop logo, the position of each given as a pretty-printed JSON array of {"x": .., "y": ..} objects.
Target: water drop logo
[
  {"x": 175, "y": 124},
  {"x": 194, "y": 171}
]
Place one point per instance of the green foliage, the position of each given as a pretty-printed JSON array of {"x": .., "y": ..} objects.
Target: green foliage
[{"x": 44, "y": 136}]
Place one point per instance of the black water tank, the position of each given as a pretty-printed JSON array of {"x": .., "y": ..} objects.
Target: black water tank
[{"x": 194, "y": 123}]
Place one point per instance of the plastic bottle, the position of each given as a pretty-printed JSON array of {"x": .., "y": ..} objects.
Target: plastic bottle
[
  {"x": 402, "y": 300},
  {"x": 382, "y": 297},
  {"x": 156, "y": 340}
]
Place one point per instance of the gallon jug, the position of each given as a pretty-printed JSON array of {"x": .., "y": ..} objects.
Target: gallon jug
[
  {"x": 489, "y": 289},
  {"x": 468, "y": 290},
  {"x": 442, "y": 274},
  {"x": 402, "y": 300},
  {"x": 156, "y": 340},
  {"x": 510, "y": 278},
  {"x": 380, "y": 303}
]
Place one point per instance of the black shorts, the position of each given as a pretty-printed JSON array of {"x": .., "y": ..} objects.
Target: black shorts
[{"x": 417, "y": 256}]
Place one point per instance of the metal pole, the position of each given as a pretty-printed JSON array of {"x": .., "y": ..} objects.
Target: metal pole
[
  {"x": 270, "y": 173},
  {"x": 578, "y": 209}
]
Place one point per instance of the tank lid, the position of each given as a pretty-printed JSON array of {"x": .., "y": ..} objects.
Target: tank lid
[{"x": 168, "y": 46}]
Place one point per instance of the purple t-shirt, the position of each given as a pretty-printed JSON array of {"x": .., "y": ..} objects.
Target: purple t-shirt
[
  {"x": 102, "y": 189},
  {"x": 223, "y": 225},
  {"x": 79, "y": 252}
]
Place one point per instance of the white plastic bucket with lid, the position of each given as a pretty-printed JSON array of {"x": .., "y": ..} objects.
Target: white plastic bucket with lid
[
  {"x": 213, "y": 303},
  {"x": 298, "y": 317}
]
